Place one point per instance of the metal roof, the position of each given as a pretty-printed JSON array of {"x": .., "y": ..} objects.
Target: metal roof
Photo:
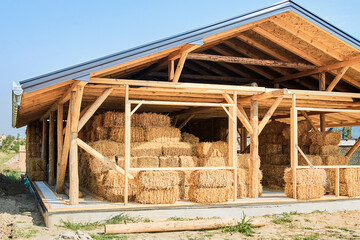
[{"x": 82, "y": 71}]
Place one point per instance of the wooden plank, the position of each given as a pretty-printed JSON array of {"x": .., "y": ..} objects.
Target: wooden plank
[
  {"x": 62, "y": 164},
  {"x": 180, "y": 168},
  {"x": 309, "y": 121},
  {"x": 92, "y": 109},
  {"x": 325, "y": 68},
  {"x": 322, "y": 81},
  {"x": 254, "y": 150},
  {"x": 266, "y": 95},
  {"x": 44, "y": 138},
  {"x": 337, "y": 182},
  {"x": 293, "y": 143},
  {"x": 186, "y": 121},
  {"x": 232, "y": 125},
  {"x": 337, "y": 78},
  {"x": 178, "y": 103},
  {"x": 330, "y": 166},
  {"x": 304, "y": 156},
  {"x": 249, "y": 61},
  {"x": 171, "y": 70},
  {"x": 269, "y": 113},
  {"x": 59, "y": 123},
  {"x": 179, "y": 67},
  {"x": 328, "y": 110},
  {"x": 127, "y": 143},
  {"x": 101, "y": 158},
  {"x": 243, "y": 118},
  {"x": 353, "y": 149},
  {"x": 244, "y": 135},
  {"x": 52, "y": 149}
]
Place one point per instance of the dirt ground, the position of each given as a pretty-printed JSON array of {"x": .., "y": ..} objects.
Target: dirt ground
[{"x": 20, "y": 219}]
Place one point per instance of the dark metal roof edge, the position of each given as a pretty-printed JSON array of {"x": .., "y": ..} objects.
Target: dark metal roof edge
[{"x": 88, "y": 67}]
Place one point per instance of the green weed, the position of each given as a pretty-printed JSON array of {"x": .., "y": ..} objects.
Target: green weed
[{"x": 243, "y": 227}]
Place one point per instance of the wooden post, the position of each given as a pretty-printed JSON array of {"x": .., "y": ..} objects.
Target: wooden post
[
  {"x": 171, "y": 70},
  {"x": 44, "y": 139},
  {"x": 73, "y": 159},
  {"x": 243, "y": 139},
  {"x": 127, "y": 143},
  {"x": 59, "y": 122},
  {"x": 232, "y": 122},
  {"x": 322, "y": 87},
  {"x": 337, "y": 182},
  {"x": 293, "y": 142},
  {"x": 254, "y": 149},
  {"x": 51, "y": 149}
]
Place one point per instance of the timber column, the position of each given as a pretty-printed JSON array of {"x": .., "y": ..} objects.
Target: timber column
[
  {"x": 322, "y": 87},
  {"x": 254, "y": 150}
]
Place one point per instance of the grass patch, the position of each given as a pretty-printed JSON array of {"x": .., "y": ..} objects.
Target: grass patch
[
  {"x": 81, "y": 226},
  {"x": 189, "y": 219},
  {"x": 243, "y": 227},
  {"x": 282, "y": 219},
  {"x": 310, "y": 237},
  {"x": 124, "y": 218},
  {"x": 24, "y": 232},
  {"x": 108, "y": 237}
]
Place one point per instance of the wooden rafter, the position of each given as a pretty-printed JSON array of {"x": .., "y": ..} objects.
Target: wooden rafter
[
  {"x": 249, "y": 61},
  {"x": 310, "y": 121},
  {"x": 186, "y": 121},
  {"x": 261, "y": 96},
  {"x": 337, "y": 78}
]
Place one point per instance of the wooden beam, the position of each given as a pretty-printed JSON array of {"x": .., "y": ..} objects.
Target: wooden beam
[
  {"x": 337, "y": 78},
  {"x": 322, "y": 87},
  {"x": 293, "y": 143},
  {"x": 249, "y": 61},
  {"x": 92, "y": 109},
  {"x": 241, "y": 115},
  {"x": 171, "y": 70},
  {"x": 244, "y": 135},
  {"x": 44, "y": 138},
  {"x": 353, "y": 149},
  {"x": 325, "y": 68},
  {"x": 127, "y": 143},
  {"x": 304, "y": 156},
  {"x": 59, "y": 123},
  {"x": 179, "y": 67},
  {"x": 52, "y": 149},
  {"x": 262, "y": 96},
  {"x": 232, "y": 143},
  {"x": 269, "y": 113},
  {"x": 254, "y": 150},
  {"x": 309, "y": 121},
  {"x": 337, "y": 182},
  {"x": 64, "y": 98},
  {"x": 186, "y": 121}
]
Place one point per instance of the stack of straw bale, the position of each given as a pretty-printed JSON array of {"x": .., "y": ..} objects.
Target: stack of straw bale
[
  {"x": 190, "y": 138},
  {"x": 310, "y": 183},
  {"x": 35, "y": 166},
  {"x": 274, "y": 154},
  {"x": 212, "y": 154},
  {"x": 157, "y": 187},
  {"x": 184, "y": 184},
  {"x": 210, "y": 186},
  {"x": 243, "y": 177},
  {"x": 349, "y": 181}
]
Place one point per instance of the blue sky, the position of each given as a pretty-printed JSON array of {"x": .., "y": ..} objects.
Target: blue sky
[{"x": 42, "y": 36}]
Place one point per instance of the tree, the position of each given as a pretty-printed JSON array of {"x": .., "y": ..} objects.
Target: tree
[{"x": 345, "y": 132}]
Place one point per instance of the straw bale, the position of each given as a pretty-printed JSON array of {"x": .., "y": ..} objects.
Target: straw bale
[
  {"x": 190, "y": 138},
  {"x": 273, "y": 174},
  {"x": 117, "y": 134},
  {"x": 169, "y": 161},
  {"x": 271, "y": 138},
  {"x": 185, "y": 177},
  {"x": 243, "y": 190},
  {"x": 274, "y": 127},
  {"x": 335, "y": 159},
  {"x": 157, "y": 179},
  {"x": 105, "y": 147},
  {"x": 347, "y": 175},
  {"x": 121, "y": 162},
  {"x": 162, "y": 134},
  {"x": 276, "y": 159},
  {"x": 114, "y": 119},
  {"x": 208, "y": 195},
  {"x": 98, "y": 121},
  {"x": 324, "y": 150},
  {"x": 243, "y": 175},
  {"x": 212, "y": 178},
  {"x": 306, "y": 176},
  {"x": 184, "y": 192},
  {"x": 37, "y": 164},
  {"x": 99, "y": 133},
  {"x": 37, "y": 176},
  {"x": 147, "y": 162},
  {"x": 305, "y": 139},
  {"x": 139, "y": 149},
  {"x": 306, "y": 191},
  {"x": 212, "y": 149},
  {"x": 188, "y": 161},
  {"x": 177, "y": 149},
  {"x": 303, "y": 127},
  {"x": 266, "y": 149},
  {"x": 243, "y": 160},
  {"x": 157, "y": 196},
  {"x": 325, "y": 138},
  {"x": 147, "y": 120},
  {"x": 314, "y": 159},
  {"x": 212, "y": 162},
  {"x": 350, "y": 189}
]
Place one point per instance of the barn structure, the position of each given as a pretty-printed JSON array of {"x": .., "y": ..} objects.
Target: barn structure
[{"x": 280, "y": 75}]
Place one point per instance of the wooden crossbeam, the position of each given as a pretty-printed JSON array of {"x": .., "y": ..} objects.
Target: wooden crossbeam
[
  {"x": 304, "y": 156},
  {"x": 353, "y": 149},
  {"x": 310, "y": 121},
  {"x": 92, "y": 109},
  {"x": 337, "y": 78},
  {"x": 326, "y": 68},
  {"x": 186, "y": 121},
  {"x": 240, "y": 114},
  {"x": 269, "y": 113},
  {"x": 262, "y": 96},
  {"x": 64, "y": 98},
  {"x": 101, "y": 158},
  {"x": 179, "y": 67},
  {"x": 249, "y": 61}
]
